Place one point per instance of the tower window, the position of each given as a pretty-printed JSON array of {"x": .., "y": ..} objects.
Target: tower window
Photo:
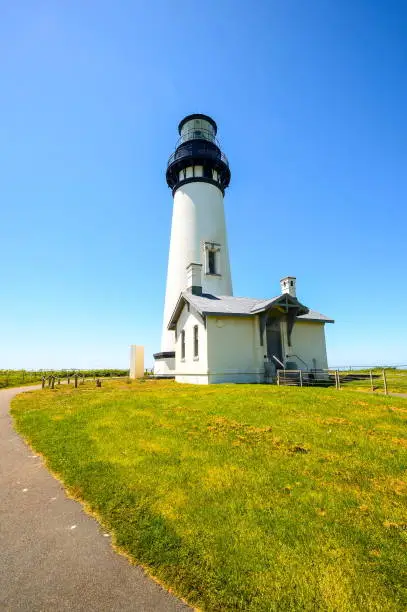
[
  {"x": 207, "y": 172},
  {"x": 196, "y": 342},
  {"x": 211, "y": 262},
  {"x": 183, "y": 344},
  {"x": 212, "y": 259}
]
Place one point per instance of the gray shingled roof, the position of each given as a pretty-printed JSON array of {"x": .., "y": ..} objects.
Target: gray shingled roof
[
  {"x": 313, "y": 315},
  {"x": 224, "y": 305}
]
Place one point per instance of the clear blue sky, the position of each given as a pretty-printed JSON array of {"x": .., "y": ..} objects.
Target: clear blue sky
[{"x": 310, "y": 99}]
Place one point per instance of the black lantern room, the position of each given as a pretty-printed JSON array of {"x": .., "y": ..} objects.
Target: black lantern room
[{"x": 198, "y": 156}]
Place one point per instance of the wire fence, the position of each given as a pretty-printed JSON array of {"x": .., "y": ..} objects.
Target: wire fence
[
  {"x": 14, "y": 378},
  {"x": 387, "y": 379},
  {"x": 367, "y": 368},
  {"x": 381, "y": 380}
]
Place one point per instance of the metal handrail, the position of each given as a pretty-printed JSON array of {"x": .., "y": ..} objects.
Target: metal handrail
[
  {"x": 179, "y": 155},
  {"x": 298, "y": 357},
  {"x": 278, "y": 361}
]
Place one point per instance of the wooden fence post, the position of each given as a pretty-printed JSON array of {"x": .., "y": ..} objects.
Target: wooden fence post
[
  {"x": 76, "y": 381},
  {"x": 43, "y": 381},
  {"x": 52, "y": 382},
  {"x": 385, "y": 382},
  {"x": 278, "y": 377},
  {"x": 300, "y": 378},
  {"x": 338, "y": 379},
  {"x": 371, "y": 381}
]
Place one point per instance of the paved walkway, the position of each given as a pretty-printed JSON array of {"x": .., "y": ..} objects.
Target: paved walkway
[{"x": 52, "y": 555}]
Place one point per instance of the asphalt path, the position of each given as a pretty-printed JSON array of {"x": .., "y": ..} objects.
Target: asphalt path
[{"x": 53, "y": 556}]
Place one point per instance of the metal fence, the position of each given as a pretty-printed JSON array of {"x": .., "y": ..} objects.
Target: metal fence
[
  {"x": 382, "y": 380},
  {"x": 14, "y": 378}
]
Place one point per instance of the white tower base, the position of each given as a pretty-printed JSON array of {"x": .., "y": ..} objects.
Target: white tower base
[{"x": 198, "y": 225}]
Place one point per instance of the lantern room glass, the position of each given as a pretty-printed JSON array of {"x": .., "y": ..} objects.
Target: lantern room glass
[{"x": 197, "y": 129}]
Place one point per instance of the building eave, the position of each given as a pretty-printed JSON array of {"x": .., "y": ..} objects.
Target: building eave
[
  {"x": 300, "y": 319},
  {"x": 284, "y": 301},
  {"x": 177, "y": 311}
]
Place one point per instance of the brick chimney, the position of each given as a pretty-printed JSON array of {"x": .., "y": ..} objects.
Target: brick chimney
[
  {"x": 194, "y": 278},
  {"x": 288, "y": 285}
]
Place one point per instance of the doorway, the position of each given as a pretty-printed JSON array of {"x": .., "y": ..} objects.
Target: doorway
[{"x": 274, "y": 345}]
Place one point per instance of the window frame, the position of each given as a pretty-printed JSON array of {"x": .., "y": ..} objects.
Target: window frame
[
  {"x": 211, "y": 260},
  {"x": 212, "y": 250},
  {"x": 196, "y": 342},
  {"x": 183, "y": 345}
]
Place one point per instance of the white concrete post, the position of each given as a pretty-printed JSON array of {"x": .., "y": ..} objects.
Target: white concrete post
[
  {"x": 385, "y": 382},
  {"x": 136, "y": 361}
]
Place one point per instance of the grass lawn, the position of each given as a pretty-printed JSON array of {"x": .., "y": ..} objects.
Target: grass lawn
[{"x": 239, "y": 497}]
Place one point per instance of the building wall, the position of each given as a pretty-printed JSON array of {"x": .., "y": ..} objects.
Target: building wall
[
  {"x": 191, "y": 370},
  {"x": 308, "y": 342},
  {"x": 234, "y": 350},
  {"x": 164, "y": 367},
  {"x": 198, "y": 217},
  {"x": 230, "y": 349}
]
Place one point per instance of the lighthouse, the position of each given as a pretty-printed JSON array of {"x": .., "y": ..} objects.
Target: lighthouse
[
  {"x": 209, "y": 335},
  {"x": 198, "y": 174}
]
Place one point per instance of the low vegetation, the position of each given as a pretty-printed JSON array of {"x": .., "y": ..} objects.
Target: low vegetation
[
  {"x": 239, "y": 497},
  {"x": 14, "y": 378}
]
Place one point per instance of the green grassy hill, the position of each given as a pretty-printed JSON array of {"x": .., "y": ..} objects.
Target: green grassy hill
[{"x": 239, "y": 497}]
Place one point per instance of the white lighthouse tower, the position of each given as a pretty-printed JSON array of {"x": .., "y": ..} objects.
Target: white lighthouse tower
[{"x": 198, "y": 174}]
